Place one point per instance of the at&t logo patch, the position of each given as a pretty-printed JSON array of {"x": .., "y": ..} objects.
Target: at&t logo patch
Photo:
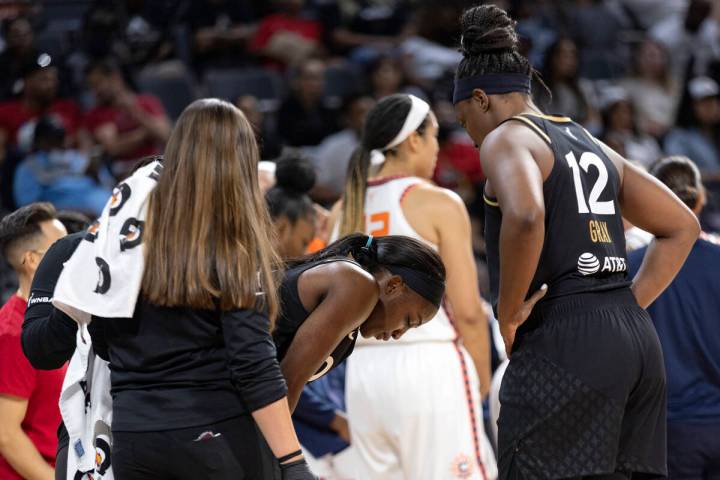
[{"x": 588, "y": 264}]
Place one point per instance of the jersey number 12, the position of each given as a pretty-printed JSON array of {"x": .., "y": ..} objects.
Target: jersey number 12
[{"x": 586, "y": 160}]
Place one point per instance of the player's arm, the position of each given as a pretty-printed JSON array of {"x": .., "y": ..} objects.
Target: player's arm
[
  {"x": 348, "y": 296},
  {"x": 469, "y": 314},
  {"x": 650, "y": 205},
  {"x": 517, "y": 183},
  {"x": 15, "y": 446}
]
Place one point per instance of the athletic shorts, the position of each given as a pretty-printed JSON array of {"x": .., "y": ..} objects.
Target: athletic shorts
[{"x": 584, "y": 393}]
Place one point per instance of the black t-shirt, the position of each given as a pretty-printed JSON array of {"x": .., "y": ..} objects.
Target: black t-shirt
[
  {"x": 584, "y": 246},
  {"x": 294, "y": 314}
]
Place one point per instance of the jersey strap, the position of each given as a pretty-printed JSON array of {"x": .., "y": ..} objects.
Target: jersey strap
[{"x": 533, "y": 126}]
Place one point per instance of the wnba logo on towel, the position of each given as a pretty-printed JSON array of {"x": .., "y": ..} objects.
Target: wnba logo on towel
[
  {"x": 103, "y": 284},
  {"x": 588, "y": 264},
  {"x": 120, "y": 195},
  {"x": 131, "y": 234},
  {"x": 92, "y": 231}
]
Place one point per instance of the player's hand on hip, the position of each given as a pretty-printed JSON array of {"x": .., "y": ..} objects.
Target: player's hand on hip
[{"x": 508, "y": 327}]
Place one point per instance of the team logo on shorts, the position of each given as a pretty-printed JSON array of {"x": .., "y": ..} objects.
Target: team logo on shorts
[
  {"x": 588, "y": 264},
  {"x": 462, "y": 466},
  {"x": 120, "y": 195},
  {"x": 131, "y": 234}
]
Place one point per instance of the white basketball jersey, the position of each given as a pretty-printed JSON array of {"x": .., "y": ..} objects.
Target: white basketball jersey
[{"x": 384, "y": 216}]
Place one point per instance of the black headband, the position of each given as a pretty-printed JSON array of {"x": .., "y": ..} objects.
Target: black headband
[
  {"x": 426, "y": 286},
  {"x": 491, "y": 84}
]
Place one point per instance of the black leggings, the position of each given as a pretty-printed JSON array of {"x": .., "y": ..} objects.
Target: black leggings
[{"x": 229, "y": 450}]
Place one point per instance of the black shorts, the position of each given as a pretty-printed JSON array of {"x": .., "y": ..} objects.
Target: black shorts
[{"x": 584, "y": 393}]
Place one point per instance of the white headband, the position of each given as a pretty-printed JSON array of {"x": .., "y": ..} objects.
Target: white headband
[{"x": 419, "y": 110}]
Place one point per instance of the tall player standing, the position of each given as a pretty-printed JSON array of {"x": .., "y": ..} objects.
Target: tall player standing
[
  {"x": 414, "y": 404},
  {"x": 584, "y": 394}
]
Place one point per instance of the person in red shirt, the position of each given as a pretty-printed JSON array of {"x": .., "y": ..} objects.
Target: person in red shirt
[
  {"x": 29, "y": 413},
  {"x": 286, "y": 36},
  {"x": 38, "y": 98},
  {"x": 128, "y": 126}
]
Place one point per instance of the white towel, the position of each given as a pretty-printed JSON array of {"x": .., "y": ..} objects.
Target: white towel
[
  {"x": 113, "y": 248},
  {"x": 113, "y": 245},
  {"x": 86, "y": 407}
]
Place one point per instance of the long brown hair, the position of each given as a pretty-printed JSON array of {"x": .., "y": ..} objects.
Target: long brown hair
[{"x": 208, "y": 234}]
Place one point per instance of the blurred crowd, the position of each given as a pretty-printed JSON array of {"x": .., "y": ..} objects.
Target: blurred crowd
[{"x": 87, "y": 87}]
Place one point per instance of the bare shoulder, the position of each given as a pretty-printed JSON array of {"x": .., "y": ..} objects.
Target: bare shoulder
[
  {"x": 340, "y": 274},
  {"x": 435, "y": 198}
]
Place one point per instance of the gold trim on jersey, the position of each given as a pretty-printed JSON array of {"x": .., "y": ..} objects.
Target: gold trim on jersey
[
  {"x": 490, "y": 202},
  {"x": 552, "y": 118},
  {"x": 532, "y": 125}
]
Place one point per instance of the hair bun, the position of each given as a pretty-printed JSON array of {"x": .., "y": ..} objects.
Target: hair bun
[
  {"x": 295, "y": 174},
  {"x": 486, "y": 29}
]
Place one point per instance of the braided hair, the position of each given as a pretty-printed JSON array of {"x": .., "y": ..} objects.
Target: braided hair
[{"x": 489, "y": 44}]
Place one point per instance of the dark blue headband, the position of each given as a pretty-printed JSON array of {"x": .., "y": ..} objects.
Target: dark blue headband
[
  {"x": 491, "y": 84},
  {"x": 424, "y": 285}
]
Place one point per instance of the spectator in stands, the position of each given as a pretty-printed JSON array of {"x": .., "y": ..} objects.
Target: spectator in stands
[
  {"x": 372, "y": 28},
  {"x": 221, "y": 31},
  {"x": 39, "y": 97},
  {"x": 698, "y": 125},
  {"x": 696, "y": 34},
  {"x": 52, "y": 173},
  {"x": 149, "y": 30},
  {"x": 331, "y": 157},
  {"x": 287, "y": 36},
  {"x": 265, "y": 132},
  {"x": 686, "y": 319},
  {"x": 621, "y": 131},
  {"x": 387, "y": 77},
  {"x": 19, "y": 49},
  {"x": 652, "y": 89},
  {"x": 127, "y": 125},
  {"x": 569, "y": 92},
  {"x": 29, "y": 413},
  {"x": 304, "y": 118}
]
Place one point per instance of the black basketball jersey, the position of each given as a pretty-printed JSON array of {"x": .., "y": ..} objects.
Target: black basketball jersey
[
  {"x": 584, "y": 246},
  {"x": 293, "y": 315}
]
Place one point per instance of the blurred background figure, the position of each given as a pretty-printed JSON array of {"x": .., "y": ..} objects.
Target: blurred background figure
[
  {"x": 29, "y": 412},
  {"x": 304, "y": 118},
  {"x": 64, "y": 177},
  {"x": 652, "y": 89},
  {"x": 570, "y": 94},
  {"x": 126, "y": 125},
  {"x": 621, "y": 131},
  {"x": 221, "y": 31},
  {"x": 331, "y": 157},
  {"x": 19, "y": 49},
  {"x": 697, "y": 134},
  {"x": 686, "y": 319}
]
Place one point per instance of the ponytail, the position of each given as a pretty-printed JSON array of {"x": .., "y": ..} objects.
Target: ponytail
[
  {"x": 353, "y": 205},
  {"x": 387, "y": 125}
]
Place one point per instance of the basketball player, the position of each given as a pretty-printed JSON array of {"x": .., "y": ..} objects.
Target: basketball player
[
  {"x": 377, "y": 287},
  {"x": 584, "y": 393},
  {"x": 414, "y": 404}
]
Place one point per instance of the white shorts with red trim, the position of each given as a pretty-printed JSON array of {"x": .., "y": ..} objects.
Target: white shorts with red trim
[{"x": 415, "y": 413}]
